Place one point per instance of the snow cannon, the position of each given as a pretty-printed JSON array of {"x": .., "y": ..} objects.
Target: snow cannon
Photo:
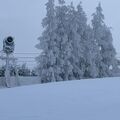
[{"x": 8, "y": 45}]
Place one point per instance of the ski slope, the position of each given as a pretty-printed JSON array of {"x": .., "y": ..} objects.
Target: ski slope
[{"x": 74, "y": 100}]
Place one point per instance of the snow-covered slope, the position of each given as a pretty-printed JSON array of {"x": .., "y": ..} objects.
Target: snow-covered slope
[{"x": 75, "y": 100}]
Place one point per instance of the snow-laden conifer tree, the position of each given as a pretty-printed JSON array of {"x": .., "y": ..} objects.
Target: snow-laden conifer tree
[
  {"x": 49, "y": 51},
  {"x": 108, "y": 52},
  {"x": 84, "y": 48},
  {"x": 64, "y": 44},
  {"x": 81, "y": 21},
  {"x": 104, "y": 40},
  {"x": 90, "y": 54},
  {"x": 75, "y": 38}
]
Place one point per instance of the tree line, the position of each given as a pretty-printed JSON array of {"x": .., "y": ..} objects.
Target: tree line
[
  {"x": 72, "y": 49},
  {"x": 22, "y": 70}
]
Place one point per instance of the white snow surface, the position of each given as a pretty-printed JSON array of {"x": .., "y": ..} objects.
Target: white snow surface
[{"x": 97, "y": 99}]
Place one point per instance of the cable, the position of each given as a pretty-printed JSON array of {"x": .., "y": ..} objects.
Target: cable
[
  {"x": 27, "y": 61},
  {"x": 28, "y": 53},
  {"x": 26, "y": 57}
]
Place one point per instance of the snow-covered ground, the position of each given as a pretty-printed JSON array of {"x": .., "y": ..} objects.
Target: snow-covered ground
[{"x": 74, "y": 100}]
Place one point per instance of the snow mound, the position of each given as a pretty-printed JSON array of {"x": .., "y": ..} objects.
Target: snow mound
[{"x": 74, "y": 100}]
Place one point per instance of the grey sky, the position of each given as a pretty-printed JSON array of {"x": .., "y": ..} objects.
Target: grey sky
[{"x": 22, "y": 19}]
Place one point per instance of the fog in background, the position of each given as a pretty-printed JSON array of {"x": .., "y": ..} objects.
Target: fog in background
[{"x": 22, "y": 19}]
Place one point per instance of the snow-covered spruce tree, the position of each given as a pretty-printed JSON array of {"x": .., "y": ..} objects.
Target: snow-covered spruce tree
[
  {"x": 87, "y": 49},
  {"x": 83, "y": 44},
  {"x": 75, "y": 38},
  {"x": 81, "y": 21},
  {"x": 103, "y": 37},
  {"x": 90, "y": 54},
  {"x": 47, "y": 67},
  {"x": 64, "y": 43},
  {"x": 108, "y": 51}
]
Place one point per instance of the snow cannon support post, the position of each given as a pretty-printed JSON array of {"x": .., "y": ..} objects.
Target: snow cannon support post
[{"x": 8, "y": 48}]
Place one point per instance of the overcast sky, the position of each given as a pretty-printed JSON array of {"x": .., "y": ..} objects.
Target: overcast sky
[{"x": 22, "y": 19}]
